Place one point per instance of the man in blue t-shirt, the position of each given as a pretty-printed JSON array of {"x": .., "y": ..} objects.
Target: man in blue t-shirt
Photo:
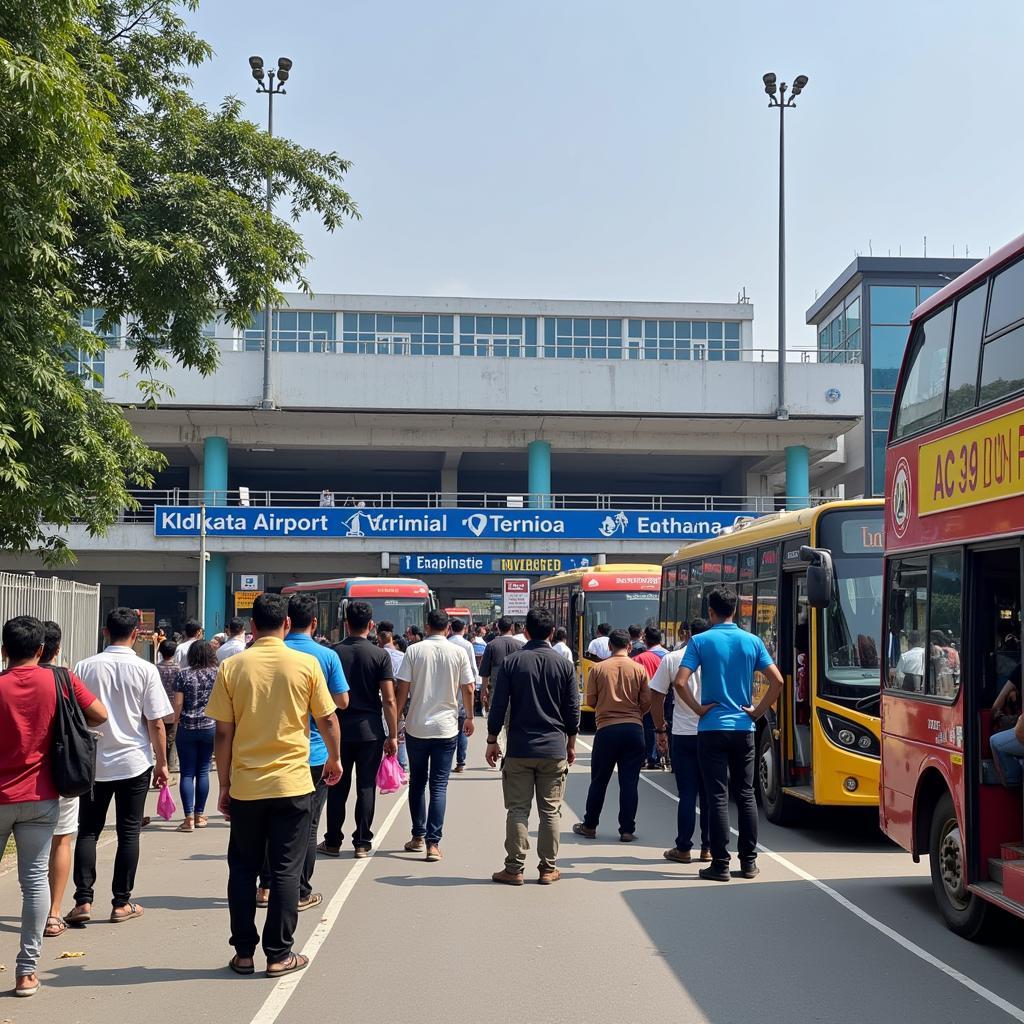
[{"x": 728, "y": 657}]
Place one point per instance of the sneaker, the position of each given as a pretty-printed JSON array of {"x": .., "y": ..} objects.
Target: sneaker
[
  {"x": 506, "y": 877},
  {"x": 705, "y": 854},
  {"x": 415, "y": 845},
  {"x": 314, "y": 899},
  {"x": 750, "y": 870},
  {"x": 580, "y": 829},
  {"x": 715, "y": 873},
  {"x": 549, "y": 876},
  {"x": 328, "y": 851},
  {"x": 361, "y": 852},
  {"x": 433, "y": 853},
  {"x": 679, "y": 856}
]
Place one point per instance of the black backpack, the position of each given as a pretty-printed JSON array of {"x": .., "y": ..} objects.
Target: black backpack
[{"x": 73, "y": 753}]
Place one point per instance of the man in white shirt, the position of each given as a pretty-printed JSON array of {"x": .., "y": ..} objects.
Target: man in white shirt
[
  {"x": 193, "y": 632},
  {"x": 560, "y": 646},
  {"x": 458, "y": 637},
  {"x": 910, "y": 667},
  {"x": 599, "y": 648},
  {"x": 130, "y": 741},
  {"x": 685, "y": 764},
  {"x": 433, "y": 676},
  {"x": 235, "y": 642}
]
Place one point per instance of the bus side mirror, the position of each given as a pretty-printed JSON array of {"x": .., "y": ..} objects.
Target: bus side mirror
[{"x": 819, "y": 576}]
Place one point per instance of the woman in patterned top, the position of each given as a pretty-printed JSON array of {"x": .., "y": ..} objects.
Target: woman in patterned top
[{"x": 194, "y": 738}]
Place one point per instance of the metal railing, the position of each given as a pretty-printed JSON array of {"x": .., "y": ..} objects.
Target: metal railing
[{"x": 75, "y": 607}]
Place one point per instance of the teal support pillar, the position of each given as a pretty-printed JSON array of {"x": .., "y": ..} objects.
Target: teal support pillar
[
  {"x": 215, "y": 470},
  {"x": 539, "y": 473},
  {"x": 798, "y": 473},
  {"x": 215, "y": 492},
  {"x": 216, "y": 588}
]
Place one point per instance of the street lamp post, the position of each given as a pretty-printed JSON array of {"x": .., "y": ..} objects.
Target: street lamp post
[
  {"x": 777, "y": 98},
  {"x": 270, "y": 82}
]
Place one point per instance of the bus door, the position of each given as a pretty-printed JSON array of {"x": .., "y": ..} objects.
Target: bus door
[{"x": 798, "y": 681}]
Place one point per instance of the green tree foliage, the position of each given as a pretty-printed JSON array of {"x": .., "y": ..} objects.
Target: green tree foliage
[{"x": 119, "y": 191}]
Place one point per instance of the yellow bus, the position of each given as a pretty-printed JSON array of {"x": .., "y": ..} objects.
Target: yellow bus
[
  {"x": 621, "y": 595},
  {"x": 820, "y": 744}
]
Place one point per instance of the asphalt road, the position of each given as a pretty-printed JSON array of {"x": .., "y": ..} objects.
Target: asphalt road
[{"x": 839, "y": 927}]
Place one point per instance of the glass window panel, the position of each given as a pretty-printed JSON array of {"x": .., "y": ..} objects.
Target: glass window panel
[
  {"x": 767, "y": 611},
  {"x": 598, "y": 351},
  {"x": 944, "y": 626},
  {"x": 385, "y": 323},
  {"x": 963, "y": 365},
  {"x": 349, "y": 346},
  {"x": 500, "y": 348},
  {"x": 1006, "y": 306},
  {"x": 927, "y": 290},
  {"x": 852, "y": 314},
  {"x": 549, "y": 331},
  {"x": 367, "y": 322},
  {"x": 447, "y": 324},
  {"x": 614, "y": 328},
  {"x": 1002, "y": 368},
  {"x": 888, "y": 345},
  {"x": 768, "y": 561},
  {"x": 713, "y": 569},
  {"x": 531, "y": 330},
  {"x": 698, "y": 330},
  {"x": 666, "y": 329},
  {"x": 666, "y": 353},
  {"x": 564, "y": 327},
  {"x": 565, "y": 352},
  {"x": 650, "y": 350},
  {"x": 745, "y": 611},
  {"x": 581, "y": 328},
  {"x": 732, "y": 355},
  {"x": 729, "y": 569},
  {"x": 430, "y": 325},
  {"x": 483, "y": 325},
  {"x": 892, "y": 304},
  {"x": 924, "y": 391},
  {"x": 878, "y": 441},
  {"x": 599, "y": 328},
  {"x": 581, "y": 351},
  {"x": 466, "y": 348},
  {"x": 350, "y": 322},
  {"x": 682, "y": 329},
  {"x": 715, "y": 350},
  {"x": 732, "y": 332},
  {"x": 905, "y": 625},
  {"x": 515, "y": 325},
  {"x": 549, "y": 351},
  {"x": 634, "y": 328},
  {"x": 408, "y": 325},
  {"x": 696, "y": 572},
  {"x": 499, "y": 325},
  {"x": 650, "y": 328},
  {"x": 531, "y": 351},
  {"x": 714, "y": 332}
]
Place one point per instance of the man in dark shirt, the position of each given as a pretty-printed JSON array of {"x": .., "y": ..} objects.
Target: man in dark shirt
[
  {"x": 494, "y": 654},
  {"x": 363, "y": 743},
  {"x": 537, "y": 687}
]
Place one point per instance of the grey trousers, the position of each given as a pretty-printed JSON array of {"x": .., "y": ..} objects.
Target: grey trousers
[
  {"x": 32, "y": 823},
  {"x": 524, "y": 779}
]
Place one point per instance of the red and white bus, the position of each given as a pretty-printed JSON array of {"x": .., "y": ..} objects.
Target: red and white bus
[
  {"x": 953, "y": 554},
  {"x": 405, "y": 602}
]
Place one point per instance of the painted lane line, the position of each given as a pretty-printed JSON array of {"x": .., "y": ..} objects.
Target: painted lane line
[
  {"x": 283, "y": 990},
  {"x": 901, "y": 940}
]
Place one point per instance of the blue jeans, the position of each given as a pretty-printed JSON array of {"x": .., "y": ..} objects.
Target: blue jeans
[
  {"x": 462, "y": 751},
  {"x": 621, "y": 745},
  {"x": 195, "y": 752},
  {"x": 430, "y": 761},
  {"x": 1008, "y": 750},
  {"x": 650, "y": 741},
  {"x": 690, "y": 787}
]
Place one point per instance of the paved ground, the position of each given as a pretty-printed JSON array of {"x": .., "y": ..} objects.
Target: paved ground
[{"x": 625, "y": 936}]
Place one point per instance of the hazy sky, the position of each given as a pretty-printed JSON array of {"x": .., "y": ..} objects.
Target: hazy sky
[{"x": 571, "y": 149}]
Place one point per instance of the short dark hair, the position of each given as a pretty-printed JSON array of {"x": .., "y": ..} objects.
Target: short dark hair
[
  {"x": 699, "y": 625},
  {"x": 634, "y": 632},
  {"x": 51, "y": 641},
  {"x": 437, "y": 619},
  {"x": 503, "y": 624},
  {"x": 385, "y": 626},
  {"x": 302, "y": 610},
  {"x": 603, "y": 629},
  {"x": 415, "y": 630},
  {"x": 722, "y": 601},
  {"x": 192, "y": 628},
  {"x": 22, "y": 637},
  {"x": 236, "y": 625},
  {"x": 201, "y": 654},
  {"x": 401, "y": 643},
  {"x": 539, "y": 623},
  {"x": 269, "y": 612},
  {"x": 618, "y": 639},
  {"x": 167, "y": 649},
  {"x": 457, "y": 625},
  {"x": 561, "y": 635},
  {"x": 358, "y": 615},
  {"x": 121, "y": 623},
  {"x": 652, "y": 636}
]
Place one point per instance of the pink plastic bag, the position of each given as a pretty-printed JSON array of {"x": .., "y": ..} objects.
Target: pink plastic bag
[
  {"x": 165, "y": 804},
  {"x": 390, "y": 776}
]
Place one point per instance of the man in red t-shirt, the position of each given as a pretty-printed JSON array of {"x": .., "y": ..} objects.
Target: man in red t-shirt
[
  {"x": 650, "y": 658},
  {"x": 28, "y": 797}
]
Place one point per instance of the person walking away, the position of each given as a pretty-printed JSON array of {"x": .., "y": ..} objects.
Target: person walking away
[
  {"x": 235, "y": 642},
  {"x": 168, "y": 668},
  {"x": 618, "y": 691},
  {"x": 29, "y": 805},
  {"x": 560, "y": 646},
  {"x": 193, "y": 632},
  {"x": 432, "y": 677},
  {"x": 458, "y": 637},
  {"x": 132, "y": 748},
  {"x": 728, "y": 657},
  {"x": 262, "y": 701},
  {"x": 494, "y": 654},
  {"x": 371, "y": 706},
  {"x": 536, "y": 691},
  {"x": 195, "y": 732},
  {"x": 598, "y": 649},
  {"x": 389, "y": 642},
  {"x": 650, "y": 657},
  {"x": 685, "y": 762},
  {"x": 636, "y": 643}
]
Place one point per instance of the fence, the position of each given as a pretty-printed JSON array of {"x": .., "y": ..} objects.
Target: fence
[{"x": 74, "y": 606}]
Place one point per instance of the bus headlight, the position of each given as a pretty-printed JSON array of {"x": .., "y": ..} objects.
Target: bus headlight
[{"x": 849, "y": 735}]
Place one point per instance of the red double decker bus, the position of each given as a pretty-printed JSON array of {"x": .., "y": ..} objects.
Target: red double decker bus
[{"x": 953, "y": 555}]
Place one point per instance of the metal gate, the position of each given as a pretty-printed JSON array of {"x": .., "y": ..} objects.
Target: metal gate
[{"x": 75, "y": 607}]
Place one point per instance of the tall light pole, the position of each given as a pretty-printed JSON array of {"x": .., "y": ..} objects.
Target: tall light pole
[
  {"x": 777, "y": 98},
  {"x": 270, "y": 82}
]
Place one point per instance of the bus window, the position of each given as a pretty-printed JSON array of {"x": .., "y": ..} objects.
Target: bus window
[
  {"x": 748, "y": 564},
  {"x": 696, "y": 572},
  {"x": 904, "y": 648},
  {"x": 767, "y": 562},
  {"x": 745, "y": 610},
  {"x": 713, "y": 569},
  {"x": 767, "y": 615},
  {"x": 944, "y": 626},
  {"x": 729, "y": 569},
  {"x": 682, "y": 576},
  {"x": 963, "y": 364},
  {"x": 924, "y": 387}
]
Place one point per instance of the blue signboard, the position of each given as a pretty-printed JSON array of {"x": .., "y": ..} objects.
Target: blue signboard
[
  {"x": 517, "y": 565},
  {"x": 466, "y": 523}
]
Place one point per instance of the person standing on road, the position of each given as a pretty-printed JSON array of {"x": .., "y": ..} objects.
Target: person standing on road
[
  {"x": 728, "y": 657},
  {"x": 618, "y": 691},
  {"x": 194, "y": 732},
  {"x": 262, "y": 702},
  {"x": 132, "y": 748},
  {"x": 432, "y": 677},
  {"x": 235, "y": 642},
  {"x": 371, "y": 706},
  {"x": 193, "y": 632},
  {"x": 598, "y": 649},
  {"x": 494, "y": 654},
  {"x": 29, "y": 807},
  {"x": 685, "y": 762},
  {"x": 389, "y": 642},
  {"x": 457, "y": 637},
  {"x": 650, "y": 657},
  {"x": 537, "y": 689},
  {"x": 636, "y": 643},
  {"x": 559, "y": 645},
  {"x": 168, "y": 668}
]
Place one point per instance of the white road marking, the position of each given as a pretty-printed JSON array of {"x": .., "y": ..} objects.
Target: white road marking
[
  {"x": 901, "y": 940},
  {"x": 283, "y": 990}
]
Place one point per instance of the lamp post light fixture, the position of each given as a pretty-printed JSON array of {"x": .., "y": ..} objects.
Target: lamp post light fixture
[
  {"x": 270, "y": 81},
  {"x": 776, "y": 91}
]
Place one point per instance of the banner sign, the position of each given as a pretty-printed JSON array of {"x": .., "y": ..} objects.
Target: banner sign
[
  {"x": 515, "y": 598},
  {"x": 538, "y": 565},
  {"x": 504, "y": 524}
]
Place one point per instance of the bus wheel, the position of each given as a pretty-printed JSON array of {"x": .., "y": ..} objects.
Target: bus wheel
[
  {"x": 769, "y": 782},
  {"x": 965, "y": 912}
]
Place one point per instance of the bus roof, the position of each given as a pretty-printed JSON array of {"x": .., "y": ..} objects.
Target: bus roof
[
  {"x": 603, "y": 576},
  {"x": 343, "y": 581},
  {"x": 766, "y": 528}
]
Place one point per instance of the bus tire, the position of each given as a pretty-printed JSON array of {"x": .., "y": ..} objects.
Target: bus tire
[
  {"x": 965, "y": 912},
  {"x": 769, "y": 782}
]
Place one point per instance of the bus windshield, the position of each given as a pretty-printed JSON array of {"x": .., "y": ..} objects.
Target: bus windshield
[
  {"x": 619, "y": 609},
  {"x": 402, "y": 611}
]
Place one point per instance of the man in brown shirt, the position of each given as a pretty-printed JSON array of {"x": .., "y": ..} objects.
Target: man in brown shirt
[{"x": 618, "y": 691}]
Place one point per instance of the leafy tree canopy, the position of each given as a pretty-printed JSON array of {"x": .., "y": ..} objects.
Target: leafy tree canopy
[{"x": 119, "y": 191}]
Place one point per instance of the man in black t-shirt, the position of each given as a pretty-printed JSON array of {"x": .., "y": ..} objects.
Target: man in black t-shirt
[
  {"x": 494, "y": 654},
  {"x": 363, "y": 741}
]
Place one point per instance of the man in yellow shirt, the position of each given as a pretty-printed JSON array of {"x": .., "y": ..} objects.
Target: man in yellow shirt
[{"x": 262, "y": 701}]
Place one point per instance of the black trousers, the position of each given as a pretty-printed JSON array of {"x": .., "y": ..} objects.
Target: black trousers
[
  {"x": 727, "y": 766},
  {"x": 129, "y": 796},
  {"x": 361, "y": 758},
  {"x": 279, "y": 829},
  {"x": 317, "y": 801},
  {"x": 621, "y": 746}
]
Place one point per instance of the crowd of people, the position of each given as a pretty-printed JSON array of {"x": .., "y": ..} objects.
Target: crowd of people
[{"x": 293, "y": 723}]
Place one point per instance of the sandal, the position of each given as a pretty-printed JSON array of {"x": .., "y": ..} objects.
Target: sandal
[
  {"x": 295, "y": 962},
  {"x": 314, "y": 899},
  {"x": 581, "y": 830},
  {"x": 54, "y": 927},
  {"x": 77, "y": 918},
  {"x": 186, "y": 826},
  {"x": 238, "y": 968},
  {"x": 134, "y": 911},
  {"x": 201, "y": 821}
]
